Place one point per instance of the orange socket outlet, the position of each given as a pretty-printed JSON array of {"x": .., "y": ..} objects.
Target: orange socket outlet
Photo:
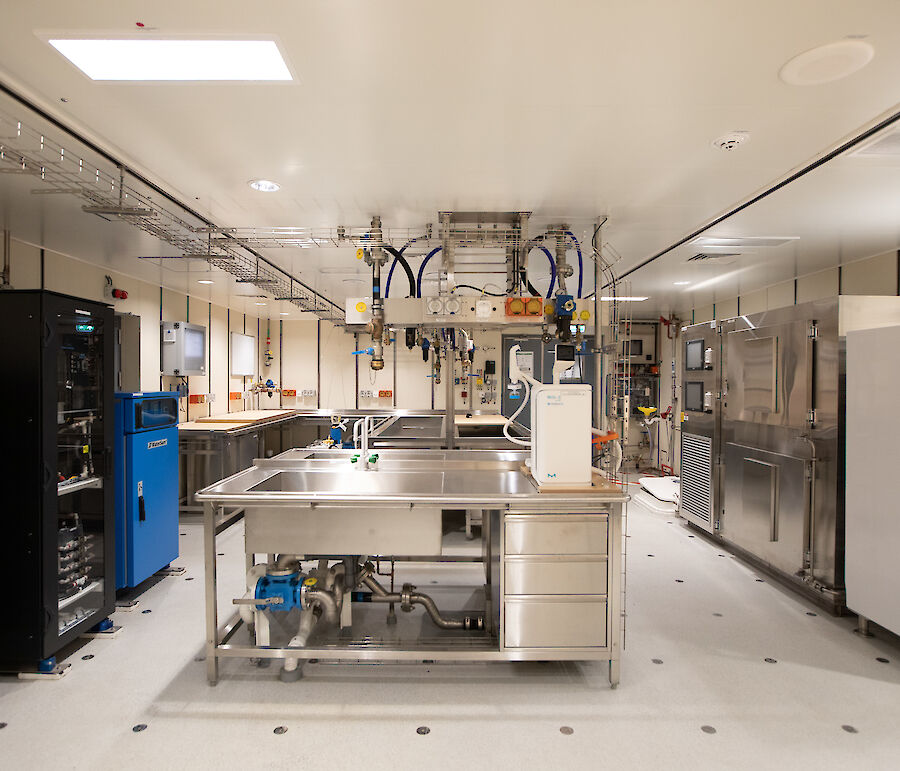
[
  {"x": 234, "y": 396},
  {"x": 524, "y": 306},
  {"x": 288, "y": 391},
  {"x": 385, "y": 394}
]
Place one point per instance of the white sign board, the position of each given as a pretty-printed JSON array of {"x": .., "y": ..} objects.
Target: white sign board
[{"x": 243, "y": 355}]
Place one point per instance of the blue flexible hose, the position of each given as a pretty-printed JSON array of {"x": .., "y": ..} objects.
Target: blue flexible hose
[
  {"x": 546, "y": 251},
  {"x": 571, "y": 235},
  {"x": 422, "y": 269}
]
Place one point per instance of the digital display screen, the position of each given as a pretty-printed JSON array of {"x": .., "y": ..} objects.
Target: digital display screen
[
  {"x": 693, "y": 355},
  {"x": 86, "y": 328},
  {"x": 565, "y": 353},
  {"x": 693, "y": 396}
]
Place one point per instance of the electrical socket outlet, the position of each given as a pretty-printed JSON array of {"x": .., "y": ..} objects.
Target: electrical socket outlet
[
  {"x": 308, "y": 392},
  {"x": 365, "y": 394}
]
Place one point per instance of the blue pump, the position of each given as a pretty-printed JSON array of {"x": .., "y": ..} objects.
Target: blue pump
[{"x": 289, "y": 588}]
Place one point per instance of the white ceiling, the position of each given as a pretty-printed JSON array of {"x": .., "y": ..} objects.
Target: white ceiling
[{"x": 401, "y": 108}]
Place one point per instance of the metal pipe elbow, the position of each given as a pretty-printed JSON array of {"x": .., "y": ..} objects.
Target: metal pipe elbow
[
  {"x": 426, "y": 602},
  {"x": 326, "y": 602}
]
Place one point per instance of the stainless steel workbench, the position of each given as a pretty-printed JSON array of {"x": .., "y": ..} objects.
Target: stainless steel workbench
[
  {"x": 219, "y": 446},
  {"x": 552, "y": 561}
]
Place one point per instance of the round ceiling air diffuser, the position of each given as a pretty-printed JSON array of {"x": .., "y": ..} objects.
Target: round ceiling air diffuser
[{"x": 827, "y": 63}]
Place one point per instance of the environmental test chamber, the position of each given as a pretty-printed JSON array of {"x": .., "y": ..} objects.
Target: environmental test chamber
[
  {"x": 58, "y": 545},
  {"x": 771, "y": 414}
]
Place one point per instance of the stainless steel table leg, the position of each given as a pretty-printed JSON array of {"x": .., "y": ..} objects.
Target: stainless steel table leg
[
  {"x": 862, "y": 627},
  {"x": 212, "y": 615},
  {"x": 615, "y": 593},
  {"x": 189, "y": 488}
]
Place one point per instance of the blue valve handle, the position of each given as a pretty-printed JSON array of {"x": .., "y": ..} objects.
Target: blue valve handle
[{"x": 369, "y": 351}]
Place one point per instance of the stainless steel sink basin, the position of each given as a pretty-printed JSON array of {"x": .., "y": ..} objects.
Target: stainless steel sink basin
[
  {"x": 363, "y": 483},
  {"x": 354, "y": 482}
]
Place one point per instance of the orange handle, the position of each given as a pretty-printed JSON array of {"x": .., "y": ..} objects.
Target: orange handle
[{"x": 605, "y": 438}]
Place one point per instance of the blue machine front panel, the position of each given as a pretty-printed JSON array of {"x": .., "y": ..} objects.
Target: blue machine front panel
[
  {"x": 152, "y": 524},
  {"x": 146, "y": 487}
]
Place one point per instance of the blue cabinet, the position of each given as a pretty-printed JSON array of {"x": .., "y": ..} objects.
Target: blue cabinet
[{"x": 146, "y": 485}]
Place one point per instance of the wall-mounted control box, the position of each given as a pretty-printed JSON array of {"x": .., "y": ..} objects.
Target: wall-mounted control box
[{"x": 182, "y": 348}]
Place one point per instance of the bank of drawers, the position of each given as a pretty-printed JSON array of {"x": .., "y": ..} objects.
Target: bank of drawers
[{"x": 555, "y": 580}]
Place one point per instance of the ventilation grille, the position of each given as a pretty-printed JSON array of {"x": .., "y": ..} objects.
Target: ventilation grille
[
  {"x": 696, "y": 478},
  {"x": 706, "y": 256},
  {"x": 885, "y": 146}
]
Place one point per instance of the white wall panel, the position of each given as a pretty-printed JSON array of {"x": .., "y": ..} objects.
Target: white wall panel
[
  {"x": 753, "y": 302},
  {"x": 817, "y": 286},
  {"x": 198, "y": 313},
  {"x": 218, "y": 359},
  {"x": 338, "y": 367},
  {"x": 24, "y": 265},
  {"x": 299, "y": 366},
  {"x": 877, "y": 275},
  {"x": 705, "y": 313},
  {"x": 780, "y": 295},
  {"x": 727, "y": 309}
]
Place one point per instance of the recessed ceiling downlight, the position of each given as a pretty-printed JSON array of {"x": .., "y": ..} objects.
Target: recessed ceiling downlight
[
  {"x": 264, "y": 185},
  {"x": 827, "y": 63}
]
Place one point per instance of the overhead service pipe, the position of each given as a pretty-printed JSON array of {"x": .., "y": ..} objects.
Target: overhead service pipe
[
  {"x": 599, "y": 355},
  {"x": 563, "y": 269},
  {"x": 375, "y": 327}
]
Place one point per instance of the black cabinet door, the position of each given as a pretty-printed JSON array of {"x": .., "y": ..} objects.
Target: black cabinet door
[{"x": 56, "y": 400}]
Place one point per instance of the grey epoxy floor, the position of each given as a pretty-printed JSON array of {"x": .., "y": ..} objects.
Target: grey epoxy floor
[{"x": 695, "y": 657}]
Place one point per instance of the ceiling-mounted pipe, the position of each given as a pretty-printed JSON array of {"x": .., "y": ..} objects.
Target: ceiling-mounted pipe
[{"x": 376, "y": 325}]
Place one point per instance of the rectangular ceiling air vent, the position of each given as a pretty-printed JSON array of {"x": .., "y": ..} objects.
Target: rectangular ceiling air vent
[
  {"x": 735, "y": 242},
  {"x": 718, "y": 256},
  {"x": 883, "y": 146}
]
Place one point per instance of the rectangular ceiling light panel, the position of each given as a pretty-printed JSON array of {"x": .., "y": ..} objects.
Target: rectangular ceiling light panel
[{"x": 147, "y": 59}]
